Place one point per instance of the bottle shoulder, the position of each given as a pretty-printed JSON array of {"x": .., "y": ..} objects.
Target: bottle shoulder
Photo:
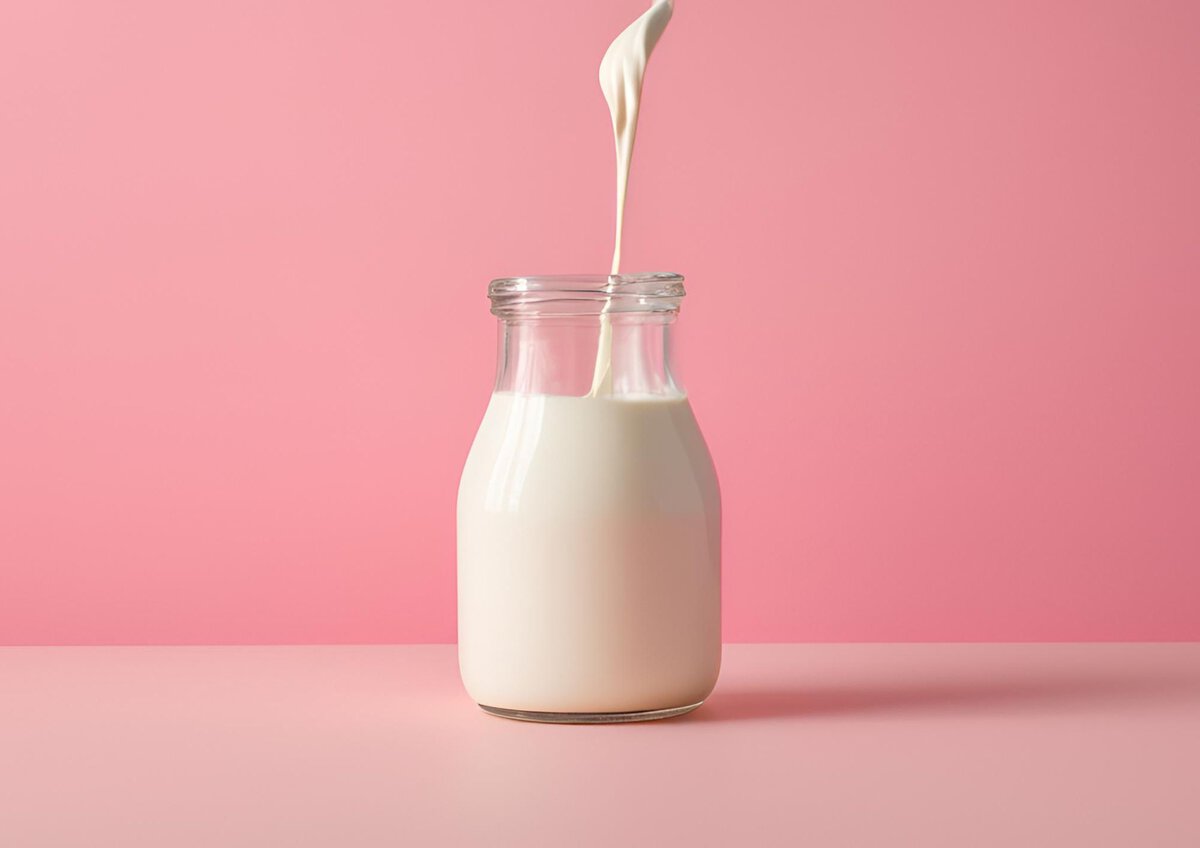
[{"x": 646, "y": 453}]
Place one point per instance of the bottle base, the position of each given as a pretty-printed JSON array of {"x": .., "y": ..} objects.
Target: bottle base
[{"x": 588, "y": 718}]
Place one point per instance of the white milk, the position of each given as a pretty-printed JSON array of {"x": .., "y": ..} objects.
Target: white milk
[
  {"x": 588, "y": 556},
  {"x": 622, "y": 71}
]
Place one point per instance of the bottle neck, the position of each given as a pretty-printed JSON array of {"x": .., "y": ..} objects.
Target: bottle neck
[{"x": 556, "y": 354}]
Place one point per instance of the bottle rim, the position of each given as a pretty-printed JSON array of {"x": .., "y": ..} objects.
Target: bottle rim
[{"x": 586, "y": 293}]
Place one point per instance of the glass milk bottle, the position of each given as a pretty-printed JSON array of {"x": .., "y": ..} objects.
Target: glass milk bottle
[{"x": 589, "y": 518}]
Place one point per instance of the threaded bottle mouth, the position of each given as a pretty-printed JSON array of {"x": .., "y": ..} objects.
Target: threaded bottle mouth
[{"x": 585, "y": 294}]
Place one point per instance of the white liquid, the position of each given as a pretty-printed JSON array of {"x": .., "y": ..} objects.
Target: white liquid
[
  {"x": 588, "y": 556},
  {"x": 622, "y": 71}
]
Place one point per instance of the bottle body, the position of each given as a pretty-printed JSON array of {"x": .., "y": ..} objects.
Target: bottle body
[{"x": 589, "y": 539}]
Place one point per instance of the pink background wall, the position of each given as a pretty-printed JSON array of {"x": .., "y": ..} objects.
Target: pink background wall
[{"x": 943, "y": 329}]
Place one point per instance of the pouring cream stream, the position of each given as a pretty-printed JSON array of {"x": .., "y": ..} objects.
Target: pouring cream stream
[{"x": 621, "y": 73}]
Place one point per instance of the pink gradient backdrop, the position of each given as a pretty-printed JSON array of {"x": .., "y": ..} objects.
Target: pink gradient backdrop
[{"x": 942, "y": 331}]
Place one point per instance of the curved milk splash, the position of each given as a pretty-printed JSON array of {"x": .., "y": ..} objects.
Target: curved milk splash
[{"x": 621, "y": 73}]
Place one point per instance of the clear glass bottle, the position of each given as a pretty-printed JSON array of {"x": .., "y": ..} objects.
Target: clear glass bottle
[{"x": 589, "y": 517}]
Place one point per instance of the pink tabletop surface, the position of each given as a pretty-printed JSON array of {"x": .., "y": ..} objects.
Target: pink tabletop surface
[{"x": 800, "y": 745}]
